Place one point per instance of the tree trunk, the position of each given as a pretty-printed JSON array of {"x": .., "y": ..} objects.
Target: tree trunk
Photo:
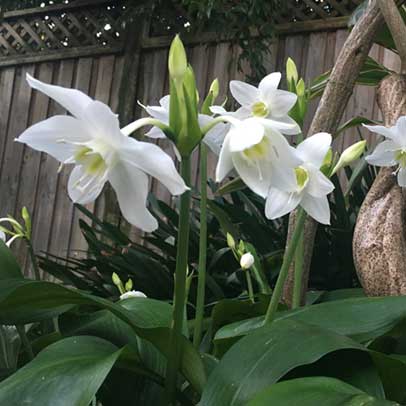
[
  {"x": 330, "y": 112},
  {"x": 379, "y": 244}
]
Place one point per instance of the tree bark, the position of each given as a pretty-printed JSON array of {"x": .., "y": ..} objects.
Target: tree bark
[{"x": 329, "y": 114}]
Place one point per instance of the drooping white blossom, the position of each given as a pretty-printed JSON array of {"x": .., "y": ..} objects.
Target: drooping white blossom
[
  {"x": 311, "y": 186},
  {"x": 392, "y": 151},
  {"x": 265, "y": 101},
  {"x": 91, "y": 140},
  {"x": 132, "y": 293},
  {"x": 259, "y": 153}
]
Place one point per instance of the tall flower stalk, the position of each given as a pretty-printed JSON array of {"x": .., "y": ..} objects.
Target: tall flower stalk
[{"x": 201, "y": 284}]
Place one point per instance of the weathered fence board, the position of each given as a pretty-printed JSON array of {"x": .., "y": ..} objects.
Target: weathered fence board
[{"x": 28, "y": 178}]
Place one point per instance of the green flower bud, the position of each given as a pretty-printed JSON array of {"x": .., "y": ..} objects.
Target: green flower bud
[
  {"x": 349, "y": 155},
  {"x": 177, "y": 61},
  {"x": 215, "y": 89},
  {"x": 27, "y": 220},
  {"x": 291, "y": 71},
  {"x": 230, "y": 241},
  {"x": 116, "y": 279},
  {"x": 129, "y": 285}
]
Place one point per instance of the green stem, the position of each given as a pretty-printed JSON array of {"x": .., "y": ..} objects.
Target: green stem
[
  {"x": 287, "y": 260},
  {"x": 201, "y": 284},
  {"x": 297, "y": 283},
  {"x": 33, "y": 261},
  {"x": 180, "y": 287},
  {"x": 249, "y": 285},
  {"x": 24, "y": 340}
]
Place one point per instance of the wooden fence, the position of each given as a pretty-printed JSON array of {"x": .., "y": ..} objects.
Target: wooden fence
[{"x": 100, "y": 68}]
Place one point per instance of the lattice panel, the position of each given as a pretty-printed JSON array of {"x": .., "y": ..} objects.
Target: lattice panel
[
  {"x": 59, "y": 29},
  {"x": 305, "y": 10}
]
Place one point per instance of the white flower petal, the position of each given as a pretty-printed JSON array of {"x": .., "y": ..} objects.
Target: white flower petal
[
  {"x": 242, "y": 113},
  {"x": 244, "y": 93},
  {"x": 279, "y": 203},
  {"x": 56, "y": 136},
  {"x": 269, "y": 83},
  {"x": 285, "y": 155},
  {"x": 103, "y": 123},
  {"x": 314, "y": 148},
  {"x": 155, "y": 133},
  {"x": 383, "y": 155},
  {"x": 158, "y": 112},
  {"x": 319, "y": 185},
  {"x": 154, "y": 161},
  {"x": 283, "y": 178},
  {"x": 2, "y": 236},
  {"x": 165, "y": 102},
  {"x": 72, "y": 100},
  {"x": 256, "y": 175},
  {"x": 225, "y": 162},
  {"x": 280, "y": 102},
  {"x": 380, "y": 129},
  {"x": 317, "y": 207},
  {"x": 133, "y": 294},
  {"x": 131, "y": 186},
  {"x": 215, "y": 137},
  {"x": 284, "y": 124},
  {"x": 246, "y": 134},
  {"x": 84, "y": 188},
  {"x": 402, "y": 177},
  {"x": 220, "y": 110}
]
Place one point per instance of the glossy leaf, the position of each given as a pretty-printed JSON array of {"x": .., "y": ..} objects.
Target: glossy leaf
[
  {"x": 68, "y": 372},
  {"x": 24, "y": 301},
  {"x": 265, "y": 356},
  {"x": 315, "y": 391},
  {"x": 9, "y": 267}
]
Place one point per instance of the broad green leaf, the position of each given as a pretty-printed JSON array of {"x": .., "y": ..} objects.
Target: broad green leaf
[
  {"x": 68, "y": 372},
  {"x": 265, "y": 356},
  {"x": 9, "y": 267},
  {"x": 315, "y": 391},
  {"x": 24, "y": 301},
  {"x": 363, "y": 318}
]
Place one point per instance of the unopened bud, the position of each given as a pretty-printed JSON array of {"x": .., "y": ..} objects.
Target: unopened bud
[
  {"x": 230, "y": 241},
  {"x": 27, "y": 220},
  {"x": 177, "y": 61},
  {"x": 349, "y": 155},
  {"x": 246, "y": 261},
  {"x": 291, "y": 71},
  {"x": 129, "y": 285},
  {"x": 116, "y": 279},
  {"x": 215, "y": 89}
]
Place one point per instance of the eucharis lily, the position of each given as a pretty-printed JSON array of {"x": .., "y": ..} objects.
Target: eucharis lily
[
  {"x": 213, "y": 139},
  {"x": 91, "y": 140},
  {"x": 259, "y": 153},
  {"x": 392, "y": 151},
  {"x": 265, "y": 101},
  {"x": 311, "y": 186}
]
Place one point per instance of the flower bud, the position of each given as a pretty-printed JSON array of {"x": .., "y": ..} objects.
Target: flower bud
[
  {"x": 215, "y": 89},
  {"x": 349, "y": 155},
  {"x": 230, "y": 241},
  {"x": 291, "y": 71},
  {"x": 116, "y": 279},
  {"x": 27, "y": 220},
  {"x": 129, "y": 285},
  {"x": 177, "y": 61},
  {"x": 246, "y": 261},
  {"x": 132, "y": 293}
]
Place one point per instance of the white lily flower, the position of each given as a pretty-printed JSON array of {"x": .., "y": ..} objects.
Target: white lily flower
[
  {"x": 264, "y": 101},
  {"x": 132, "y": 293},
  {"x": 311, "y": 187},
  {"x": 101, "y": 152},
  {"x": 259, "y": 153},
  {"x": 2, "y": 236},
  {"x": 392, "y": 151},
  {"x": 213, "y": 139}
]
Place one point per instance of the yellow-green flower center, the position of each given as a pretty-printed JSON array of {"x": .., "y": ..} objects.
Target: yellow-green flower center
[
  {"x": 92, "y": 161},
  {"x": 400, "y": 157},
  {"x": 258, "y": 151},
  {"x": 302, "y": 176},
  {"x": 260, "y": 109}
]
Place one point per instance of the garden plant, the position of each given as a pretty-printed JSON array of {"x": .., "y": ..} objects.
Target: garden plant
[{"x": 253, "y": 337}]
